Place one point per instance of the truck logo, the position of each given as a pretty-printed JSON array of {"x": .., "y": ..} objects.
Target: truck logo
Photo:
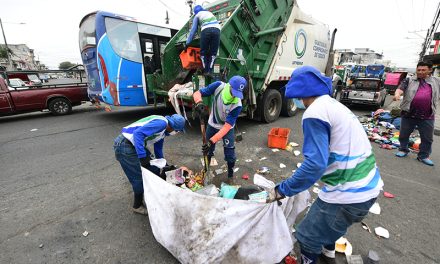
[{"x": 300, "y": 43}]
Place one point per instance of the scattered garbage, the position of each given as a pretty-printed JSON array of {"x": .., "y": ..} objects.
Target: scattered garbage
[
  {"x": 245, "y": 176},
  {"x": 382, "y": 232},
  {"x": 282, "y": 165},
  {"x": 85, "y": 233},
  {"x": 290, "y": 260},
  {"x": 275, "y": 150},
  {"x": 380, "y": 128},
  {"x": 34, "y": 129},
  {"x": 263, "y": 158},
  {"x": 219, "y": 171},
  {"x": 236, "y": 169},
  {"x": 41, "y": 246},
  {"x": 289, "y": 148},
  {"x": 388, "y": 195},
  {"x": 213, "y": 162},
  {"x": 248, "y": 160},
  {"x": 366, "y": 227},
  {"x": 228, "y": 191},
  {"x": 209, "y": 190},
  {"x": 343, "y": 246},
  {"x": 298, "y": 164},
  {"x": 176, "y": 176},
  {"x": 316, "y": 189},
  {"x": 263, "y": 170},
  {"x": 354, "y": 259},
  {"x": 375, "y": 209},
  {"x": 293, "y": 144},
  {"x": 296, "y": 152},
  {"x": 373, "y": 257},
  {"x": 316, "y": 184}
]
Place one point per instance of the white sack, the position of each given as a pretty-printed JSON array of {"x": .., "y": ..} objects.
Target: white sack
[{"x": 204, "y": 229}]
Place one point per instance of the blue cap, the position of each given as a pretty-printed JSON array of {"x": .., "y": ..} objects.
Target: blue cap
[
  {"x": 197, "y": 9},
  {"x": 176, "y": 122},
  {"x": 307, "y": 81},
  {"x": 238, "y": 84}
]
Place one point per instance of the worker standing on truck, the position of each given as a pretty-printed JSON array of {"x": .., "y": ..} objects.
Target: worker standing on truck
[
  {"x": 337, "y": 152},
  {"x": 131, "y": 149},
  {"x": 209, "y": 37},
  {"x": 226, "y": 106}
]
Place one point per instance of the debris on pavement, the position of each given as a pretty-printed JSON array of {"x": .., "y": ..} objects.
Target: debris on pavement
[
  {"x": 282, "y": 165},
  {"x": 236, "y": 169},
  {"x": 354, "y": 259},
  {"x": 375, "y": 209},
  {"x": 298, "y": 164},
  {"x": 213, "y": 162},
  {"x": 293, "y": 144},
  {"x": 296, "y": 152},
  {"x": 263, "y": 158},
  {"x": 388, "y": 195},
  {"x": 316, "y": 189},
  {"x": 382, "y": 232},
  {"x": 343, "y": 246},
  {"x": 263, "y": 170},
  {"x": 219, "y": 171},
  {"x": 366, "y": 227},
  {"x": 34, "y": 129},
  {"x": 85, "y": 233},
  {"x": 248, "y": 160},
  {"x": 316, "y": 184},
  {"x": 41, "y": 246},
  {"x": 373, "y": 257},
  {"x": 275, "y": 150},
  {"x": 245, "y": 176}
]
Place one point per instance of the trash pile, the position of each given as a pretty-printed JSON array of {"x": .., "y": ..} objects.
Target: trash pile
[{"x": 382, "y": 128}]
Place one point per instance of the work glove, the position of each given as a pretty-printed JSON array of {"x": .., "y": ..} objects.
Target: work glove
[
  {"x": 206, "y": 147},
  {"x": 274, "y": 195},
  {"x": 145, "y": 162}
]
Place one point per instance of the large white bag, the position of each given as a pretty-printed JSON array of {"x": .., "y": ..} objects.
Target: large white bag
[{"x": 203, "y": 229}]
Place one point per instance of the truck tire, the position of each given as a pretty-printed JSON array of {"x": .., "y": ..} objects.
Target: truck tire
[
  {"x": 272, "y": 103},
  {"x": 60, "y": 106},
  {"x": 288, "y": 108}
]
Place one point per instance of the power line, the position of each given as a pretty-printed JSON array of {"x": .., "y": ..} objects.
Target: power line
[
  {"x": 430, "y": 33},
  {"x": 423, "y": 14}
]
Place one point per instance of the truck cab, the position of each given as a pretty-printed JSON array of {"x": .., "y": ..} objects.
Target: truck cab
[{"x": 364, "y": 91}]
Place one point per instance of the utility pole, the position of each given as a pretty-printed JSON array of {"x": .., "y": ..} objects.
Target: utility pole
[
  {"x": 7, "y": 48},
  {"x": 430, "y": 33}
]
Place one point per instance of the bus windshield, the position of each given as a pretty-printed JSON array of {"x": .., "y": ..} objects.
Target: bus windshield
[{"x": 124, "y": 38}]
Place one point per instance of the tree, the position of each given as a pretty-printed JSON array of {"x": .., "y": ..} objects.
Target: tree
[
  {"x": 3, "y": 53},
  {"x": 65, "y": 65}
]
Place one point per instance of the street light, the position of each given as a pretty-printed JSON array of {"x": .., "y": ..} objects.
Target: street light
[{"x": 6, "y": 43}]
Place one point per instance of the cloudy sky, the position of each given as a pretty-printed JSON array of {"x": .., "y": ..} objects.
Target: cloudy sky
[{"x": 51, "y": 27}]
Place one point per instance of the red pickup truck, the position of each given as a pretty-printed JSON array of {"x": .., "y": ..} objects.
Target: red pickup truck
[{"x": 59, "y": 98}]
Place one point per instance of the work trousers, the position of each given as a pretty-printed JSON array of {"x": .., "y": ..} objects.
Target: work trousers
[{"x": 426, "y": 130}]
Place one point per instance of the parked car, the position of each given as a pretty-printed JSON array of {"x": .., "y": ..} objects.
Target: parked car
[
  {"x": 365, "y": 91},
  {"x": 59, "y": 99}
]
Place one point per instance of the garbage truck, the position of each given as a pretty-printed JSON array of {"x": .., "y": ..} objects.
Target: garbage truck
[{"x": 261, "y": 40}]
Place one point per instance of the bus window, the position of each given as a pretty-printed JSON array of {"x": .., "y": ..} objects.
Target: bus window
[
  {"x": 149, "y": 46},
  {"x": 124, "y": 38},
  {"x": 87, "y": 33}
]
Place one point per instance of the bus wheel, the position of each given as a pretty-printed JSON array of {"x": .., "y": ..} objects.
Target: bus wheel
[
  {"x": 60, "y": 106},
  {"x": 288, "y": 108},
  {"x": 272, "y": 103}
]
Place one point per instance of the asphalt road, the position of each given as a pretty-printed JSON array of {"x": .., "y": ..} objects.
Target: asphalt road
[{"x": 62, "y": 179}]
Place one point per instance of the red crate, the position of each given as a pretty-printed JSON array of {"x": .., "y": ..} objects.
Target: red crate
[
  {"x": 191, "y": 58},
  {"x": 278, "y": 137}
]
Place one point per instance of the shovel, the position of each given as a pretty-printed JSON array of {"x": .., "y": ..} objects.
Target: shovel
[{"x": 206, "y": 179}]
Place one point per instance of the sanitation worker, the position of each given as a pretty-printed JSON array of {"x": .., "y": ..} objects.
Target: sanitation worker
[
  {"x": 226, "y": 106},
  {"x": 131, "y": 149},
  {"x": 209, "y": 38},
  {"x": 338, "y": 153}
]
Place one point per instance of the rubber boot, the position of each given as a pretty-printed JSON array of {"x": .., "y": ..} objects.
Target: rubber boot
[{"x": 231, "y": 169}]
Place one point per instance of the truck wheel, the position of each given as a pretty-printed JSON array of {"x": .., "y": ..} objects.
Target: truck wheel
[
  {"x": 271, "y": 105},
  {"x": 288, "y": 108},
  {"x": 60, "y": 106}
]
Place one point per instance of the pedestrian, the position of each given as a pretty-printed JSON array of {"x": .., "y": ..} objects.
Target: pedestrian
[
  {"x": 131, "y": 149},
  {"x": 209, "y": 37},
  {"x": 421, "y": 95},
  {"x": 338, "y": 153},
  {"x": 226, "y": 106}
]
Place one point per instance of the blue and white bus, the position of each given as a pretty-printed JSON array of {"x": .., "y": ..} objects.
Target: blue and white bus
[{"x": 117, "y": 52}]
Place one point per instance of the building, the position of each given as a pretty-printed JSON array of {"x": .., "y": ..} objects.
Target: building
[
  {"x": 359, "y": 56},
  {"x": 368, "y": 56},
  {"x": 23, "y": 58}
]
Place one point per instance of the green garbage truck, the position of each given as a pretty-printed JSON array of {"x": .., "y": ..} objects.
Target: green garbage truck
[{"x": 261, "y": 40}]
